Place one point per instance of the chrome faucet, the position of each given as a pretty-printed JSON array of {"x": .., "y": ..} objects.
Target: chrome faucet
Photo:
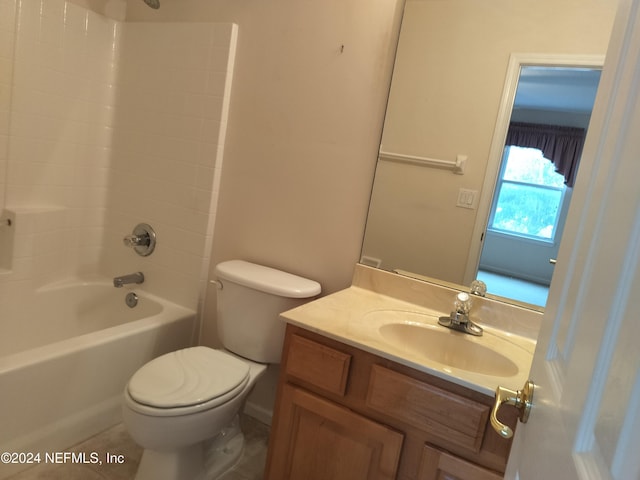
[
  {"x": 137, "y": 277},
  {"x": 142, "y": 239},
  {"x": 459, "y": 318}
]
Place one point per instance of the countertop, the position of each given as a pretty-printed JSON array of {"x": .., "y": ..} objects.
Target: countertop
[{"x": 346, "y": 316}]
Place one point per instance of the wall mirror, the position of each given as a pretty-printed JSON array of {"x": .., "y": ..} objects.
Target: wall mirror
[{"x": 459, "y": 82}]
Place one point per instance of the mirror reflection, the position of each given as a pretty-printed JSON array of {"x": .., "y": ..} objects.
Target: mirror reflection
[
  {"x": 449, "y": 100},
  {"x": 540, "y": 161}
]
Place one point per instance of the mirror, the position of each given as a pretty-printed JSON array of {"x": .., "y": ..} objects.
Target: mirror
[{"x": 449, "y": 101}]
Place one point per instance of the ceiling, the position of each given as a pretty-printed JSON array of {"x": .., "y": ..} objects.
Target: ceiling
[{"x": 557, "y": 88}]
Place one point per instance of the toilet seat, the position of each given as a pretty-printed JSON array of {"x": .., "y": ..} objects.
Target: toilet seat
[{"x": 188, "y": 380}]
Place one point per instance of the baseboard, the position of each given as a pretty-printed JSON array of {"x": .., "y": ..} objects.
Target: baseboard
[{"x": 258, "y": 412}]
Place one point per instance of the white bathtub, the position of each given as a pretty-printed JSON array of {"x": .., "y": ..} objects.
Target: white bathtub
[{"x": 67, "y": 356}]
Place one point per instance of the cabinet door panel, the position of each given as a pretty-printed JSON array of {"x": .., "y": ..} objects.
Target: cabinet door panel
[
  {"x": 439, "y": 465},
  {"x": 317, "y": 440}
]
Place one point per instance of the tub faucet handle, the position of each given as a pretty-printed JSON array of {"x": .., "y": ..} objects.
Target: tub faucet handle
[
  {"x": 142, "y": 239},
  {"x": 136, "y": 240}
]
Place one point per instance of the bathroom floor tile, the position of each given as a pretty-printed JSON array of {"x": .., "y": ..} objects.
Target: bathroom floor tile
[{"x": 117, "y": 441}]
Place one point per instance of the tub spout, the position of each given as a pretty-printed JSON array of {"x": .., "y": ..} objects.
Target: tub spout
[{"x": 137, "y": 277}]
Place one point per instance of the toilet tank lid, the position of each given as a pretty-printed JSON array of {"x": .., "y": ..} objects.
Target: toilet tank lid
[{"x": 266, "y": 279}]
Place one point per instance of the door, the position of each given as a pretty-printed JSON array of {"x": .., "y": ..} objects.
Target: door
[
  {"x": 550, "y": 113},
  {"x": 566, "y": 72},
  {"x": 585, "y": 420}
]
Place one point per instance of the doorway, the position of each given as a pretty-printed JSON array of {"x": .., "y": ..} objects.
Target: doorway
[{"x": 532, "y": 193}]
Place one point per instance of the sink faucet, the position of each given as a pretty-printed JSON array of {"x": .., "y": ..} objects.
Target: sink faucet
[
  {"x": 137, "y": 277},
  {"x": 459, "y": 318},
  {"x": 478, "y": 287}
]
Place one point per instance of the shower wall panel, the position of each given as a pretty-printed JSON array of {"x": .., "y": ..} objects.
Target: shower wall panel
[
  {"x": 173, "y": 91},
  {"x": 105, "y": 124},
  {"x": 60, "y": 130}
]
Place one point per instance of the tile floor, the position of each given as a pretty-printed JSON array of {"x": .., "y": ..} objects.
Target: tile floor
[{"x": 117, "y": 441}]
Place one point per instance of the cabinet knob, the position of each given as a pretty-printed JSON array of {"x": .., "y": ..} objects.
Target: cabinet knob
[{"x": 521, "y": 399}]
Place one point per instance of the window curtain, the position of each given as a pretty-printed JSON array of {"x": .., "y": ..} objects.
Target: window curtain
[{"x": 561, "y": 145}]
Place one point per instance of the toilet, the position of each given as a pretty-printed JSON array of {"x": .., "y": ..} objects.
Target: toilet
[{"x": 183, "y": 407}]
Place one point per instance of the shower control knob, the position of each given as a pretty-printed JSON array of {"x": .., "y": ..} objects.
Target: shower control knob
[
  {"x": 142, "y": 240},
  {"x": 136, "y": 240}
]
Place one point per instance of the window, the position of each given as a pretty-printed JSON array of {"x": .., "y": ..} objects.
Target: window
[{"x": 529, "y": 195}]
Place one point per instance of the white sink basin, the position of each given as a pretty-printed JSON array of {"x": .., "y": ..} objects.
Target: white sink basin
[
  {"x": 418, "y": 336},
  {"x": 449, "y": 347}
]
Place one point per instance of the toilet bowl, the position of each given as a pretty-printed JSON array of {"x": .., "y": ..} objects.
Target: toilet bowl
[
  {"x": 183, "y": 407},
  {"x": 177, "y": 401}
]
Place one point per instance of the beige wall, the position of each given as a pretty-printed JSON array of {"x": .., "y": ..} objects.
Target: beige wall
[
  {"x": 304, "y": 127},
  {"x": 446, "y": 90}
]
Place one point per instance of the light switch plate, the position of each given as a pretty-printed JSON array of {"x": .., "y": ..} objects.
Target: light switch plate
[{"x": 467, "y": 198}]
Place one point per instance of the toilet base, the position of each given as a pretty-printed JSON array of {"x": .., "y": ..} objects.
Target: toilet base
[
  {"x": 206, "y": 460},
  {"x": 187, "y": 463},
  {"x": 224, "y": 451}
]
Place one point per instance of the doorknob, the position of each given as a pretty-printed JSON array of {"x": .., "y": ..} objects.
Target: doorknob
[
  {"x": 552, "y": 261},
  {"x": 521, "y": 399}
]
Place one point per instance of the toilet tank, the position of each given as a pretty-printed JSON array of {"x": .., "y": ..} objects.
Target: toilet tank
[{"x": 249, "y": 301}]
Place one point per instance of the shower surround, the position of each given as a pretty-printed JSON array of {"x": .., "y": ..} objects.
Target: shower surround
[
  {"x": 108, "y": 124},
  {"x": 103, "y": 125}
]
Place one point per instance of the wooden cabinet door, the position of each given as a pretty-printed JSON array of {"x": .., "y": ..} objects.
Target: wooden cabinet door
[
  {"x": 315, "y": 439},
  {"x": 439, "y": 465}
]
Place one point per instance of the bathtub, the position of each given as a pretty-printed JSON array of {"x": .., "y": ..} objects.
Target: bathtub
[{"x": 66, "y": 356}]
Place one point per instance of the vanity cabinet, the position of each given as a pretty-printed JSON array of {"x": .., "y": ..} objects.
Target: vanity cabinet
[
  {"x": 439, "y": 465},
  {"x": 328, "y": 441},
  {"x": 343, "y": 413}
]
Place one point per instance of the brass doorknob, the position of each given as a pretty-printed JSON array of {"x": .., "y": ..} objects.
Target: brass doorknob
[{"x": 521, "y": 399}]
